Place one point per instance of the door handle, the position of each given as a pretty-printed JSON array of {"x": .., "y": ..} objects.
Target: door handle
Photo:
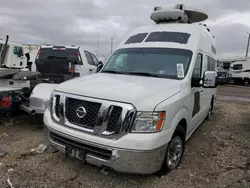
[
  {"x": 201, "y": 91},
  {"x": 91, "y": 70}
]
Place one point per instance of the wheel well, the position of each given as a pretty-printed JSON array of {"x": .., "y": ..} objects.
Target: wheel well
[
  {"x": 183, "y": 124},
  {"x": 212, "y": 101}
]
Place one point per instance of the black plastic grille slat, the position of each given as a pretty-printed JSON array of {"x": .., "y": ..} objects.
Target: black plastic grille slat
[
  {"x": 113, "y": 120},
  {"x": 57, "y": 106},
  {"x": 91, "y": 117},
  {"x": 95, "y": 151}
]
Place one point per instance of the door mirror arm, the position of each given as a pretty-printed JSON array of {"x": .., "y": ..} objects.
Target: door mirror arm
[
  {"x": 99, "y": 66},
  {"x": 196, "y": 82}
]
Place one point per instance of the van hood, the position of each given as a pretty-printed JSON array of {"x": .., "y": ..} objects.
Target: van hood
[{"x": 143, "y": 92}]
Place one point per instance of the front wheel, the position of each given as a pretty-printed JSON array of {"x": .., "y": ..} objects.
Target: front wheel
[{"x": 175, "y": 150}]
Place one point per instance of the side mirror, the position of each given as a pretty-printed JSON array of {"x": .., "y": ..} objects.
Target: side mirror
[
  {"x": 210, "y": 79},
  {"x": 27, "y": 56},
  {"x": 99, "y": 66}
]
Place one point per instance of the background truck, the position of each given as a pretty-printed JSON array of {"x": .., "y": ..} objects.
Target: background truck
[{"x": 32, "y": 82}]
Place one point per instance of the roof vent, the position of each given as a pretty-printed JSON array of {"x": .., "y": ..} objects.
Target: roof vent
[{"x": 177, "y": 14}]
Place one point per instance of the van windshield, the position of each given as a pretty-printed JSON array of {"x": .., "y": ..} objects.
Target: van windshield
[{"x": 151, "y": 62}]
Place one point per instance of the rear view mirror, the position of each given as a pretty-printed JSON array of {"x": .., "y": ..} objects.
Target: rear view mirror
[{"x": 210, "y": 79}]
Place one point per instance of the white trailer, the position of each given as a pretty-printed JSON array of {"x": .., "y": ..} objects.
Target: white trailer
[{"x": 240, "y": 71}]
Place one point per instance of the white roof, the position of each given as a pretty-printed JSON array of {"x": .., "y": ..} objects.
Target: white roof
[
  {"x": 193, "y": 29},
  {"x": 233, "y": 59}
]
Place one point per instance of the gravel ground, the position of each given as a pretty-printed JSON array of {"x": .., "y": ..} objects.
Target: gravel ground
[{"x": 217, "y": 155}]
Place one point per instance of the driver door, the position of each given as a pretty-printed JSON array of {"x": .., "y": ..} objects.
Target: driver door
[
  {"x": 197, "y": 94},
  {"x": 18, "y": 58}
]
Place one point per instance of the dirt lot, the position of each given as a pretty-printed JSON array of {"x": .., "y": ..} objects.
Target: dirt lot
[{"x": 217, "y": 155}]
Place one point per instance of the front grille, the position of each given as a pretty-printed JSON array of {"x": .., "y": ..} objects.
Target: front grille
[
  {"x": 99, "y": 117},
  {"x": 91, "y": 117},
  {"x": 113, "y": 125},
  {"x": 57, "y": 106},
  {"x": 91, "y": 150}
]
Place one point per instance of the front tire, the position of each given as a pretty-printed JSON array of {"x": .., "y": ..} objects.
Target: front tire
[{"x": 175, "y": 150}]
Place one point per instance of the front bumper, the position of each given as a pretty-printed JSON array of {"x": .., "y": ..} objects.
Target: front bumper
[
  {"x": 38, "y": 104},
  {"x": 120, "y": 160},
  {"x": 223, "y": 80}
]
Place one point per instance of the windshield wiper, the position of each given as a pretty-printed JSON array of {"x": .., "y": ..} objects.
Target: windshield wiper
[
  {"x": 132, "y": 73},
  {"x": 143, "y": 74},
  {"x": 112, "y": 72}
]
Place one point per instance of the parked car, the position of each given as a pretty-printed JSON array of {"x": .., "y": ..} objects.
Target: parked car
[
  {"x": 136, "y": 114},
  {"x": 57, "y": 64}
]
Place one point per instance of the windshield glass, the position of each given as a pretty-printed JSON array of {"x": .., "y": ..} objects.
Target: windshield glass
[{"x": 155, "y": 62}]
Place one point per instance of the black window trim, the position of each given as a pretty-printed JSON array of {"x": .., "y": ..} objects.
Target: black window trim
[{"x": 201, "y": 63}]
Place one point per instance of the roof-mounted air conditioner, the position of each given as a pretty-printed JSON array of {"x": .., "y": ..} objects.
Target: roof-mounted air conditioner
[{"x": 177, "y": 14}]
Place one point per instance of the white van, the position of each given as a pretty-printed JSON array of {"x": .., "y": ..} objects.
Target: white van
[
  {"x": 240, "y": 71},
  {"x": 136, "y": 114}
]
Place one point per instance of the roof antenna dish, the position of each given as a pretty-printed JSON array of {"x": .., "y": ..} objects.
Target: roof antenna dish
[{"x": 177, "y": 14}]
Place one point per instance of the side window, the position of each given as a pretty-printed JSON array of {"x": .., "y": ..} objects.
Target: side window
[
  {"x": 95, "y": 60},
  {"x": 18, "y": 51},
  {"x": 89, "y": 59},
  {"x": 198, "y": 66},
  {"x": 211, "y": 64},
  {"x": 237, "y": 67}
]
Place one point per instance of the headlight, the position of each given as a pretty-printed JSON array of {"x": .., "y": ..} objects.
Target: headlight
[
  {"x": 149, "y": 122},
  {"x": 50, "y": 104}
]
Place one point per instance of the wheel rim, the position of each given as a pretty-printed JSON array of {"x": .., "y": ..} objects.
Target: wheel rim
[{"x": 174, "y": 152}]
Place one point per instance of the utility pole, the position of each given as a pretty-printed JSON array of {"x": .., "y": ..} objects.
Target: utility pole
[
  {"x": 248, "y": 44},
  {"x": 97, "y": 51},
  {"x": 112, "y": 40}
]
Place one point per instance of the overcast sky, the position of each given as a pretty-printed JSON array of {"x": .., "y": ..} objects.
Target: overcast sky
[{"x": 80, "y": 21}]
